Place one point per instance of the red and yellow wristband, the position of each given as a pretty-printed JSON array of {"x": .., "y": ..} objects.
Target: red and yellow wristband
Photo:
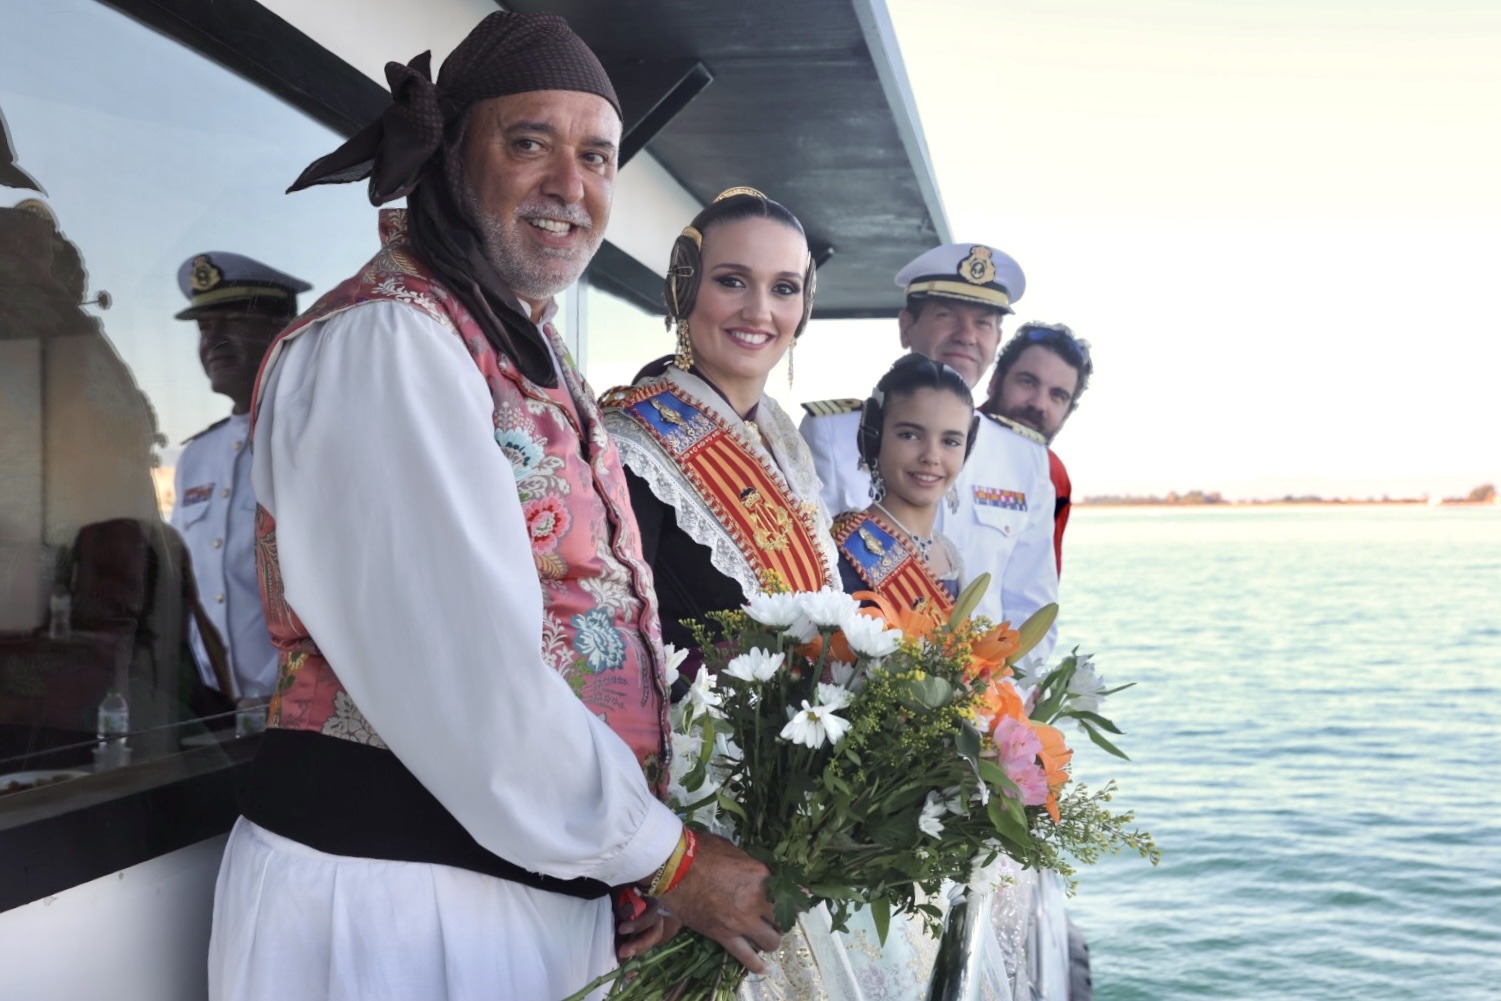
[{"x": 676, "y": 867}]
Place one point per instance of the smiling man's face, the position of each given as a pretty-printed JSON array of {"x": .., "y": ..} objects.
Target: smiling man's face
[
  {"x": 961, "y": 335},
  {"x": 539, "y": 175}
]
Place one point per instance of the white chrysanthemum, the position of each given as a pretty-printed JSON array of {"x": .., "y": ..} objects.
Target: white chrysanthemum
[
  {"x": 812, "y": 726},
  {"x": 703, "y": 694},
  {"x": 675, "y": 658},
  {"x": 869, "y": 637},
  {"x": 841, "y": 672},
  {"x": 776, "y": 610},
  {"x": 931, "y": 820},
  {"x": 801, "y": 631},
  {"x": 755, "y": 665},
  {"x": 833, "y": 697},
  {"x": 828, "y": 608}
]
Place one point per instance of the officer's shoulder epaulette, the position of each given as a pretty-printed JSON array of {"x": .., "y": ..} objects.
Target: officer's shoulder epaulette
[
  {"x": 1021, "y": 429},
  {"x": 828, "y": 408},
  {"x": 205, "y": 431}
]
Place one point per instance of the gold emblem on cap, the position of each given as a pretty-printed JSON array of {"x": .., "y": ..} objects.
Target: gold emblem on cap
[
  {"x": 977, "y": 268},
  {"x": 203, "y": 276},
  {"x": 742, "y": 190}
]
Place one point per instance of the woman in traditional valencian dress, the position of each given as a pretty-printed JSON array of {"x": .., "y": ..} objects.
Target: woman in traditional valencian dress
[
  {"x": 916, "y": 430},
  {"x": 721, "y": 482}
]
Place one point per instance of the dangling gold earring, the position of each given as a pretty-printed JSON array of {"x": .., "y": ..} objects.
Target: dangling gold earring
[
  {"x": 684, "y": 358},
  {"x": 790, "y": 349}
]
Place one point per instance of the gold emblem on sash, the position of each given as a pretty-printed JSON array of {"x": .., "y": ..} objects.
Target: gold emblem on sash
[
  {"x": 977, "y": 268},
  {"x": 771, "y": 523},
  {"x": 669, "y": 415}
]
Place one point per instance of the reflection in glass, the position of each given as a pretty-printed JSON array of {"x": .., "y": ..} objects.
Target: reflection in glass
[{"x": 109, "y": 180}]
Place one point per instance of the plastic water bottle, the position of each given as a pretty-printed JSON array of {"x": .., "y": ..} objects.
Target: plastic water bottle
[
  {"x": 250, "y": 716},
  {"x": 60, "y": 614},
  {"x": 111, "y": 731}
]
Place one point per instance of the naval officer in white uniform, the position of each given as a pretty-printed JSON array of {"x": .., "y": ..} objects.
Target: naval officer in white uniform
[
  {"x": 240, "y": 306},
  {"x": 1000, "y": 515}
]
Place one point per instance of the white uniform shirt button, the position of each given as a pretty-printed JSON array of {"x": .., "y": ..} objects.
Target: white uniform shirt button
[
  {"x": 218, "y": 543},
  {"x": 224, "y": 492},
  {"x": 239, "y": 445},
  {"x": 219, "y": 597}
]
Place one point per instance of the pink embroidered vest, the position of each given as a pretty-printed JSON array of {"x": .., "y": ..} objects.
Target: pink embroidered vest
[{"x": 600, "y": 629}]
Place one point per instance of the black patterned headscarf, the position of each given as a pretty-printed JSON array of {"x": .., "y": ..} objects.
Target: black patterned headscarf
[{"x": 412, "y": 151}]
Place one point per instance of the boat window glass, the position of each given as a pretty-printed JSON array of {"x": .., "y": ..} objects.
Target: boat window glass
[
  {"x": 635, "y": 337},
  {"x": 147, "y": 154}
]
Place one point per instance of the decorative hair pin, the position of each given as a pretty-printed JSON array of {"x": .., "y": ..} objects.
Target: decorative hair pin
[{"x": 741, "y": 190}]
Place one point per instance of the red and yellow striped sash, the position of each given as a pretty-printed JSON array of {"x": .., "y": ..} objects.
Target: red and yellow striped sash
[{"x": 776, "y": 535}]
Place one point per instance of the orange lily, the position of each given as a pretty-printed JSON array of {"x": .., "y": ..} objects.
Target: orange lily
[
  {"x": 915, "y": 624},
  {"x": 1002, "y": 700},
  {"x": 988, "y": 653},
  {"x": 839, "y": 649},
  {"x": 1055, "y": 756}
]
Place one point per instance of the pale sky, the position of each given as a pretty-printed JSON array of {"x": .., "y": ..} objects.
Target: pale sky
[{"x": 1278, "y": 223}]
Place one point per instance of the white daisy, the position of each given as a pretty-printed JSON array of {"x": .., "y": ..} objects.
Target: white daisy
[{"x": 812, "y": 726}]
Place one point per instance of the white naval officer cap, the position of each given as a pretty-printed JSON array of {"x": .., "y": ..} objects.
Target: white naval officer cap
[
  {"x": 221, "y": 282},
  {"x": 968, "y": 272}
]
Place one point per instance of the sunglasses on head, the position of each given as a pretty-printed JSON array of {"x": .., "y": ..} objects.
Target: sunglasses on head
[{"x": 1038, "y": 334}]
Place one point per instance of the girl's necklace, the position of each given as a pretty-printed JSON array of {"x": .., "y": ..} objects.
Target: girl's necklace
[{"x": 924, "y": 543}]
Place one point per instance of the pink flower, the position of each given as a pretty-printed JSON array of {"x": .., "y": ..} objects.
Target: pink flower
[
  {"x": 546, "y": 520},
  {"x": 1017, "y": 748}
]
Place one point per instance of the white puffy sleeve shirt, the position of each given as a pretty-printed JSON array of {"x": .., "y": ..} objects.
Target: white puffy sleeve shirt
[{"x": 404, "y": 551}]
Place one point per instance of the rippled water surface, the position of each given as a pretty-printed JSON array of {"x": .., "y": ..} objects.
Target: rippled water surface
[{"x": 1316, "y": 736}]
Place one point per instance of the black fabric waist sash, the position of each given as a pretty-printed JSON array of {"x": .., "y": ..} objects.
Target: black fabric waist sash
[{"x": 351, "y": 799}]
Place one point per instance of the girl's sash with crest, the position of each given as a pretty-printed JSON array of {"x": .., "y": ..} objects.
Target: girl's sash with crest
[
  {"x": 776, "y": 535},
  {"x": 886, "y": 562}
]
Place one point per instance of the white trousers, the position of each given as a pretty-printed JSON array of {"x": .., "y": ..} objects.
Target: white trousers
[{"x": 295, "y": 924}]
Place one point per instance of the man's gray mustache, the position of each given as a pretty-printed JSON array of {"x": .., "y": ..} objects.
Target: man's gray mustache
[{"x": 571, "y": 214}]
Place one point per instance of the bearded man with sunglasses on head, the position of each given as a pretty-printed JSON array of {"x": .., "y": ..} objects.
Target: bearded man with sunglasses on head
[{"x": 1039, "y": 376}]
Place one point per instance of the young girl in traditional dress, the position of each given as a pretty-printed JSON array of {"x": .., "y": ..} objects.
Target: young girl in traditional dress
[{"x": 916, "y": 430}]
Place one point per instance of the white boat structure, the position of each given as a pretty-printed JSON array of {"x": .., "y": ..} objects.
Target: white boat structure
[{"x": 157, "y": 129}]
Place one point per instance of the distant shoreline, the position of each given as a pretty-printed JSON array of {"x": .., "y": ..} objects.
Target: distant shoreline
[{"x": 1129, "y": 502}]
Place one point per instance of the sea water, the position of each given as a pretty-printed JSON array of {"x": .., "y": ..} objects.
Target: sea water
[{"x": 1316, "y": 745}]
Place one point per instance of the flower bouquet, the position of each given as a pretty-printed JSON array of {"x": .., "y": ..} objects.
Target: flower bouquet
[{"x": 866, "y": 756}]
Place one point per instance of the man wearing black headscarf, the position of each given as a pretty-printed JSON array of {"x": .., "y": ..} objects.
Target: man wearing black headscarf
[{"x": 470, "y": 713}]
